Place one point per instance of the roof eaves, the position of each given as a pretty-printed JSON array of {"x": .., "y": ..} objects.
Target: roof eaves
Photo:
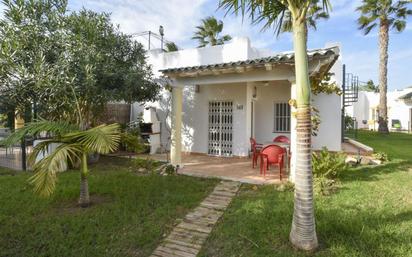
[{"x": 279, "y": 58}]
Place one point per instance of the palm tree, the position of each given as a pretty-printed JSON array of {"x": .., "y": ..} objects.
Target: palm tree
[
  {"x": 386, "y": 14},
  {"x": 208, "y": 33},
  {"x": 74, "y": 145},
  {"x": 276, "y": 13}
]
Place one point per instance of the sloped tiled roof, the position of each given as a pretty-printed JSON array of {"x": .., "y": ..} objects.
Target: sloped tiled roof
[
  {"x": 285, "y": 57},
  {"x": 406, "y": 96}
]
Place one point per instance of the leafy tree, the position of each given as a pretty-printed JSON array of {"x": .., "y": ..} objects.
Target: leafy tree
[
  {"x": 30, "y": 50},
  {"x": 74, "y": 144},
  {"x": 64, "y": 62},
  {"x": 370, "y": 86},
  {"x": 208, "y": 32},
  {"x": 107, "y": 65},
  {"x": 273, "y": 12},
  {"x": 386, "y": 14},
  {"x": 171, "y": 47}
]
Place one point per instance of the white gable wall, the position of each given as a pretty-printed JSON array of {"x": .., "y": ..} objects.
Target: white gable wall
[{"x": 369, "y": 101}]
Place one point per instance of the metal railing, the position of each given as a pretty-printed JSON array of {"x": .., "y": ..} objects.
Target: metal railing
[{"x": 15, "y": 157}]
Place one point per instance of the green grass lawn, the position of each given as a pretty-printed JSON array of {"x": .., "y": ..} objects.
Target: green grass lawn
[
  {"x": 371, "y": 214},
  {"x": 129, "y": 216},
  {"x": 396, "y": 145}
]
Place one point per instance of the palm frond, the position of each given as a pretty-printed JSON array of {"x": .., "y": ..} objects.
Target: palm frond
[
  {"x": 394, "y": 13},
  {"x": 44, "y": 178},
  {"x": 41, "y": 148},
  {"x": 101, "y": 139},
  {"x": 208, "y": 32},
  {"x": 367, "y": 23},
  {"x": 278, "y": 15},
  {"x": 399, "y": 25},
  {"x": 56, "y": 128}
]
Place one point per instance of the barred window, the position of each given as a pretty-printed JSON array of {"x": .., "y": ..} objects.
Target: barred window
[{"x": 282, "y": 117}]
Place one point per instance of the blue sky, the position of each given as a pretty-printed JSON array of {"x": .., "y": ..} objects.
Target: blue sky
[{"x": 179, "y": 17}]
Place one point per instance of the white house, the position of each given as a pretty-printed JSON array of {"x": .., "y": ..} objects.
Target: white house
[
  {"x": 223, "y": 95},
  {"x": 365, "y": 110}
]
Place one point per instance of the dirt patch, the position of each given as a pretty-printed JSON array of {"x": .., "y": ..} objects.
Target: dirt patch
[{"x": 73, "y": 207}]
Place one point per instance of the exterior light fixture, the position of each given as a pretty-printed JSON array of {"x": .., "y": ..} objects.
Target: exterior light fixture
[{"x": 254, "y": 95}]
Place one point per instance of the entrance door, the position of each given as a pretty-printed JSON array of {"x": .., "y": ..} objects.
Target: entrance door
[{"x": 220, "y": 134}]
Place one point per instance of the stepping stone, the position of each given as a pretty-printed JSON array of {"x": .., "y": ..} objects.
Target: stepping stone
[{"x": 187, "y": 238}]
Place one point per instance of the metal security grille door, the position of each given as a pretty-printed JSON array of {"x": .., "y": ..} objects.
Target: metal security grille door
[{"x": 220, "y": 128}]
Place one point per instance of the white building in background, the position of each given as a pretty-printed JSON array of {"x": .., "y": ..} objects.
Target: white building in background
[
  {"x": 223, "y": 95},
  {"x": 366, "y": 110}
]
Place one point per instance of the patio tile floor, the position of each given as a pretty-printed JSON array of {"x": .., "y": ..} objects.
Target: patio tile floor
[{"x": 226, "y": 168}]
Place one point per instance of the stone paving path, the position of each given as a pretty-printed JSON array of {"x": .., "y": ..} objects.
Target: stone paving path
[{"x": 187, "y": 238}]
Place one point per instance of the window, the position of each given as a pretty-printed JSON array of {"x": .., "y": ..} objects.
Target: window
[
  {"x": 375, "y": 114},
  {"x": 282, "y": 117}
]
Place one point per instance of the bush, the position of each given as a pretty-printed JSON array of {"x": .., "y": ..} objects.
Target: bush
[
  {"x": 381, "y": 156},
  {"x": 327, "y": 167},
  {"x": 133, "y": 143},
  {"x": 149, "y": 166},
  {"x": 145, "y": 165},
  {"x": 131, "y": 139},
  {"x": 349, "y": 123}
]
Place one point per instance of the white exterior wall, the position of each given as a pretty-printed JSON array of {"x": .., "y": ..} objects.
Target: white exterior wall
[
  {"x": 399, "y": 109},
  {"x": 330, "y": 112},
  {"x": 238, "y": 50},
  {"x": 267, "y": 96},
  {"x": 360, "y": 110},
  {"x": 329, "y": 134},
  {"x": 195, "y": 116},
  {"x": 369, "y": 101},
  {"x": 195, "y": 104}
]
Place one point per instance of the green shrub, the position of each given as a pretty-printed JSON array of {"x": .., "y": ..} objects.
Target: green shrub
[
  {"x": 149, "y": 166},
  {"x": 133, "y": 143},
  {"x": 145, "y": 165},
  {"x": 169, "y": 170},
  {"x": 326, "y": 169},
  {"x": 328, "y": 164},
  {"x": 381, "y": 156}
]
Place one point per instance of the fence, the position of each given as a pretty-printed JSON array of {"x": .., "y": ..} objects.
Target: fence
[
  {"x": 116, "y": 113},
  {"x": 351, "y": 128},
  {"x": 15, "y": 157}
]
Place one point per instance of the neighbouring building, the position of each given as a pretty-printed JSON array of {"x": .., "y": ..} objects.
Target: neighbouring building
[{"x": 366, "y": 110}]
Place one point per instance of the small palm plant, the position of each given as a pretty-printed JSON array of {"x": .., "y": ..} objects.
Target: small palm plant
[
  {"x": 74, "y": 146},
  {"x": 208, "y": 32}
]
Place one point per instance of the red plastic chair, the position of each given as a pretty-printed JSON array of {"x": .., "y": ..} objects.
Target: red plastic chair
[
  {"x": 255, "y": 147},
  {"x": 271, "y": 154},
  {"x": 281, "y": 139}
]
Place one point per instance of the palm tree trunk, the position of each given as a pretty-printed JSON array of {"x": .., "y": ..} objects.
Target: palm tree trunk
[
  {"x": 383, "y": 75},
  {"x": 84, "y": 199},
  {"x": 303, "y": 233}
]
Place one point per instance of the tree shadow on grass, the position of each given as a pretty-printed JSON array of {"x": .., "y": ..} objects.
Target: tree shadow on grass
[
  {"x": 374, "y": 172},
  {"x": 364, "y": 232},
  {"x": 258, "y": 224}
]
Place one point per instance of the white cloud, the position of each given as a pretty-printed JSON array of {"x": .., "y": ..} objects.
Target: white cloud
[{"x": 178, "y": 17}]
